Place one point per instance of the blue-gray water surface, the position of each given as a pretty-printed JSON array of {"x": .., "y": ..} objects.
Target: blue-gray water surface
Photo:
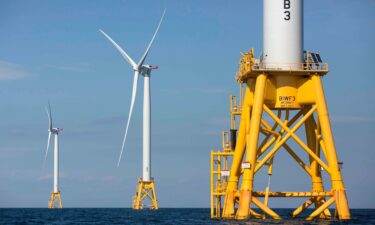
[{"x": 194, "y": 216}]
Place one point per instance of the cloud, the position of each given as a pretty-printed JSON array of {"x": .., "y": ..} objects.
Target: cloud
[
  {"x": 79, "y": 67},
  {"x": 351, "y": 119},
  {"x": 45, "y": 177},
  {"x": 89, "y": 178},
  {"x": 170, "y": 91},
  {"x": 49, "y": 176},
  {"x": 8, "y": 174},
  {"x": 11, "y": 71},
  {"x": 16, "y": 152}
]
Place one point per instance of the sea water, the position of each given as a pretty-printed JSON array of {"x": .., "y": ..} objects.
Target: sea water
[{"x": 108, "y": 216}]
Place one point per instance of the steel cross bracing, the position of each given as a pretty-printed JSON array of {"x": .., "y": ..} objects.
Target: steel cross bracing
[
  {"x": 233, "y": 171},
  {"x": 145, "y": 189},
  {"x": 55, "y": 200}
]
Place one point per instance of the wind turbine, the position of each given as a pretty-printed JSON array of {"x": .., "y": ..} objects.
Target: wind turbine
[
  {"x": 146, "y": 183},
  {"x": 55, "y": 199}
]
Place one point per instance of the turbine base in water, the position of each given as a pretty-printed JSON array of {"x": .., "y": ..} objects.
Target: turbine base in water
[
  {"x": 277, "y": 104},
  {"x": 55, "y": 201},
  {"x": 145, "y": 190}
]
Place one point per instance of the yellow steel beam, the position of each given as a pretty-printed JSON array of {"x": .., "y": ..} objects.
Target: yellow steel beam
[
  {"x": 240, "y": 145},
  {"x": 269, "y": 131},
  {"x": 298, "y": 160},
  {"x": 212, "y": 184},
  {"x": 264, "y": 144},
  {"x": 319, "y": 210},
  {"x": 336, "y": 179},
  {"x": 327, "y": 133},
  {"x": 323, "y": 147},
  {"x": 251, "y": 148},
  {"x": 255, "y": 214},
  {"x": 284, "y": 139},
  {"x": 316, "y": 177},
  {"x": 265, "y": 209},
  {"x": 222, "y": 153},
  {"x": 55, "y": 200},
  {"x": 218, "y": 179},
  {"x": 292, "y": 194},
  {"x": 297, "y": 139},
  {"x": 235, "y": 171},
  {"x": 265, "y": 147},
  {"x": 262, "y": 93},
  {"x": 296, "y": 117},
  {"x": 144, "y": 189},
  {"x": 266, "y": 196},
  {"x": 302, "y": 207}
]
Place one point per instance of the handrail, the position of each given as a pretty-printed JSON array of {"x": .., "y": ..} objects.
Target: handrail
[{"x": 290, "y": 66}]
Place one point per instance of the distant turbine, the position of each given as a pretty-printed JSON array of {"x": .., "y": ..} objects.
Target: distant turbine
[
  {"x": 55, "y": 200},
  {"x": 145, "y": 71}
]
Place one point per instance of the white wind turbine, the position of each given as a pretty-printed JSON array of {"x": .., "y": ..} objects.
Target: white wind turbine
[
  {"x": 55, "y": 131},
  {"x": 145, "y": 71}
]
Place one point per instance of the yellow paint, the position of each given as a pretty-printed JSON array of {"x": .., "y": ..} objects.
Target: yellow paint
[
  {"x": 145, "y": 189},
  {"x": 228, "y": 211},
  {"x": 251, "y": 148},
  {"x": 294, "y": 92},
  {"x": 55, "y": 201}
]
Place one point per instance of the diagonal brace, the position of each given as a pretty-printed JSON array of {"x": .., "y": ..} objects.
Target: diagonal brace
[
  {"x": 285, "y": 138},
  {"x": 265, "y": 209},
  {"x": 302, "y": 207},
  {"x": 296, "y": 138},
  {"x": 319, "y": 210},
  {"x": 298, "y": 159}
]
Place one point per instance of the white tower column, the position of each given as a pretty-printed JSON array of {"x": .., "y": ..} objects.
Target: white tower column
[
  {"x": 56, "y": 165},
  {"x": 146, "y": 129},
  {"x": 283, "y": 34}
]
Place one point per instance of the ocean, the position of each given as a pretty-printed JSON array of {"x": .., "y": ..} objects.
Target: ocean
[{"x": 108, "y": 216}]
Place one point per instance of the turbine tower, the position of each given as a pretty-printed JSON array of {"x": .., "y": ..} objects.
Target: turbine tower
[
  {"x": 146, "y": 188},
  {"x": 55, "y": 199}
]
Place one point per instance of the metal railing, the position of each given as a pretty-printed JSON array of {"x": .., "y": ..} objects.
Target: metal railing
[
  {"x": 226, "y": 143},
  {"x": 290, "y": 66},
  {"x": 234, "y": 106},
  {"x": 248, "y": 66}
]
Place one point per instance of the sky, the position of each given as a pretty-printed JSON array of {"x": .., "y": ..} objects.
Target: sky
[{"x": 53, "y": 50}]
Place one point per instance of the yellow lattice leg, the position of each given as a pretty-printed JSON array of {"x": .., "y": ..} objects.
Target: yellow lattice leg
[
  {"x": 337, "y": 182},
  {"x": 145, "y": 189},
  {"x": 316, "y": 177},
  {"x": 251, "y": 148},
  {"x": 55, "y": 200},
  {"x": 230, "y": 198}
]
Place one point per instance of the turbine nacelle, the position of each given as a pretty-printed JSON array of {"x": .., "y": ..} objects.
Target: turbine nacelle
[
  {"x": 146, "y": 69},
  {"x": 152, "y": 67},
  {"x": 55, "y": 130}
]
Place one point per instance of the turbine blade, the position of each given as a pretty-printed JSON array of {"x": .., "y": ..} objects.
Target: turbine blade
[
  {"x": 134, "y": 93},
  {"x": 123, "y": 53},
  {"x": 140, "y": 63},
  {"x": 49, "y": 114},
  {"x": 48, "y": 141}
]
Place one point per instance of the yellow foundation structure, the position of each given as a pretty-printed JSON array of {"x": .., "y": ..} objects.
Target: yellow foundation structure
[
  {"x": 55, "y": 201},
  {"x": 275, "y": 104},
  {"x": 145, "y": 190}
]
